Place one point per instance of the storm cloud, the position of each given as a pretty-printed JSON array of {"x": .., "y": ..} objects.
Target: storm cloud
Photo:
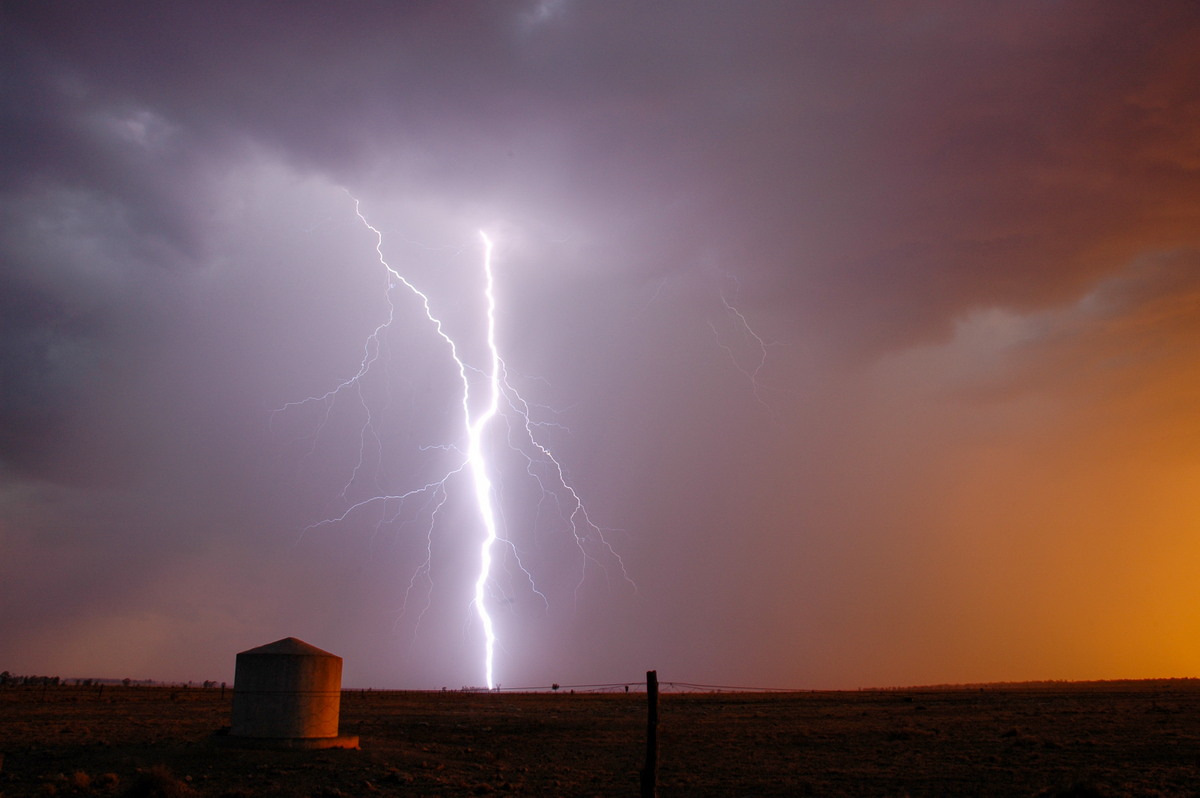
[{"x": 868, "y": 334}]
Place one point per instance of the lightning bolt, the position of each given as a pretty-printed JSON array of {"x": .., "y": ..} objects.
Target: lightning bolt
[
  {"x": 750, "y": 340},
  {"x": 476, "y": 461}
]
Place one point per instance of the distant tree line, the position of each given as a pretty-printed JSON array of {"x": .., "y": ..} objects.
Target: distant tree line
[{"x": 11, "y": 679}]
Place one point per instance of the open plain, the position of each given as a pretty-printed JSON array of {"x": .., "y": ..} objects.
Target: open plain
[{"x": 1111, "y": 738}]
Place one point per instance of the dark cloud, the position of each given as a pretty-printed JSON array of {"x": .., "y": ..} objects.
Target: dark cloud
[{"x": 816, "y": 296}]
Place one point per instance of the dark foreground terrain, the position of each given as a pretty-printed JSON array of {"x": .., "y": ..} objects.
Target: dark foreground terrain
[{"x": 1116, "y": 739}]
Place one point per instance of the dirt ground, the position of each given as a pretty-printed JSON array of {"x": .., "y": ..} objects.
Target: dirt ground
[{"x": 1101, "y": 739}]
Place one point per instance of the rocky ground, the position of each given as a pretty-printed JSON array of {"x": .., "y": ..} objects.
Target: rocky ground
[{"x": 1102, "y": 739}]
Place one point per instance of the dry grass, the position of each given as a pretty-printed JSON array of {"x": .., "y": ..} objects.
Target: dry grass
[{"x": 1116, "y": 739}]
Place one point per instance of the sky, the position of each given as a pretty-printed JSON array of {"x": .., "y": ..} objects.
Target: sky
[{"x": 866, "y": 333}]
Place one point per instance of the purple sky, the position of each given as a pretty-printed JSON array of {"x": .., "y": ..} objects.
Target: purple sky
[{"x": 967, "y": 235}]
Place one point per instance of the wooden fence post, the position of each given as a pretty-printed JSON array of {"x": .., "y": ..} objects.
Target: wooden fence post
[{"x": 650, "y": 772}]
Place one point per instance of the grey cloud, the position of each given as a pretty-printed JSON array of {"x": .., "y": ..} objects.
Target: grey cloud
[{"x": 180, "y": 258}]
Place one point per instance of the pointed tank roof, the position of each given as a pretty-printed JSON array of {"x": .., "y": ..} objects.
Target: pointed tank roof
[{"x": 290, "y": 646}]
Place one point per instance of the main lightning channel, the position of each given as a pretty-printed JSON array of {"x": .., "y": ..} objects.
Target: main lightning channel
[
  {"x": 477, "y": 462},
  {"x": 476, "y": 425}
]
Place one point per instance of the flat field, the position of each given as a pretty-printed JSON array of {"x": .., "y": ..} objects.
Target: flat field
[{"x": 1112, "y": 738}]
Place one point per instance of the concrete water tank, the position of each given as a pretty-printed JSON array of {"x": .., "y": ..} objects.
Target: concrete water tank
[{"x": 287, "y": 694}]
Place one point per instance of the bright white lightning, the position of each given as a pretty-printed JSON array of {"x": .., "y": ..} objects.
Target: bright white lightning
[
  {"x": 502, "y": 399},
  {"x": 478, "y": 461}
]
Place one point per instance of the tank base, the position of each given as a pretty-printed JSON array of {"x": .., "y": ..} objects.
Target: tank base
[{"x": 227, "y": 740}]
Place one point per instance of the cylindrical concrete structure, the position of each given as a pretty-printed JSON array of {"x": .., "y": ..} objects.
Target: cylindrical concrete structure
[{"x": 288, "y": 692}]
